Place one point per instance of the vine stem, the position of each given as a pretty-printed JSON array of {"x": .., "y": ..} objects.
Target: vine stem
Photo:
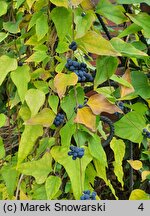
[{"x": 18, "y": 186}]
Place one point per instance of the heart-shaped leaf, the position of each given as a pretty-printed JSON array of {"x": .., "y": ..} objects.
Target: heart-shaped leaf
[
  {"x": 86, "y": 117},
  {"x": 21, "y": 77},
  {"x": 28, "y": 139},
  {"x": 7, "y": 64},
  {"x": 52, "y": 186},
  {"x": 38, "y": 169},
  {"x": 45, "y": 117},
  {"x": 35, "y": 99},
  {"x": 61, "y": 81},
  {"x": 98, "y": 103}
]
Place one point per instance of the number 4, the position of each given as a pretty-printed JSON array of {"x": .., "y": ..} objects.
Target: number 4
[{"x": 141, "y": 207}]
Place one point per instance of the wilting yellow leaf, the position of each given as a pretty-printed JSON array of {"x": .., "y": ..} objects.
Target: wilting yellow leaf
[
  {"x": 145, "y": 174},
  {"x": 86, "y": 117},
  {"x": 45, "y": 117},
  {"x": 98, "y": 103},
  {"x": 61, "y": 81},
  {"x": 125, "y": 90},
  {"x": 135, "y": 164}
]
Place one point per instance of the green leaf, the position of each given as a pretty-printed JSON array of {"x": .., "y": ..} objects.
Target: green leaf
[
  {"x": 9, "y": 175},
  {"x": 62, "y": 48},
  {"x": 132, "y": 1},
  {"x": 72, "y": 167},
  {"x": 4, "y": 6},
  {"x": 83, "y": 24},
  {"x": 28, "y": 139},
  {"x": 130, "y": 127},
  {"x": 35, "y": 99},
  {"x": 38, "y": 169},
  {"x": 118, "y": 147},
  {"x": 2, "y": 120},
  {"x": 140, "y": 84},
  {"x": 39, "y": 192},
  {"x": 52, "y": 186},
  {"x": 21, "y": 78},
  {"x": 101, "y": 172},
  {"x": 126, "y": 49},
  {"x": 53, "y": 102},
  {"x": 142, "y": 20},
  {"x": 60, "y": 3},
  {"x": 106, "y": 67},
  {"x": 138, "y": 194},
  {"x": 7, "y": 64},
  {"x": 3, "y": 36},
  {"x": 42, "y": 85},
  {"x": 45, "y": 143},
  {"x": 141, "y": 108},
  {"x": 66, "y": 133},
  {"x": 2, "y": 148},
  {"x": 13, "y": 26},
  {"x": 62, "y": 19},
  {"x": 41, "y": 26},
  {"x": 111, "y": 12},
  {"x": 131, "y": 29},
  {"x": 120, "y": 80},
  {"x": 37, "y": 57},
  {"x": 95, "y": 43},
  {"x": 45, "y": 118},
  {"x": 69, "y": 102}
]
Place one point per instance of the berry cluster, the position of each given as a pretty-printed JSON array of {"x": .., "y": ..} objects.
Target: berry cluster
[
  {"x": 59, "y": 119},
  {"x": 73, "y": 46},
  {"x": 87, "y": 195},
  {"x": 146, "y": 132},
  {"x": 80, "y": 70},
  {"x": 76, "y": 152}
]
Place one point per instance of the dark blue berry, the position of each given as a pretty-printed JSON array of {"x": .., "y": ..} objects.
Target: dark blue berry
[{"x": 83, "y": 14}]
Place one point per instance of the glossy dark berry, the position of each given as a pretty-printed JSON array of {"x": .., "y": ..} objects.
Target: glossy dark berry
[
  {"x": 59, "y": 119},
  {"x": 76, "y": 152},
  {"x": 20, "y": 63},
  {"x": 83, "y": 14},
  {"x": 73, "y": 46}
]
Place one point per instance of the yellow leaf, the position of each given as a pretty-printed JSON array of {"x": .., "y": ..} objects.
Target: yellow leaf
[
  {"x": 125, "y": 90},
  {"x": 61, "y": 81},
  {"x": 135, "y": 164},
  {"x": 145, "y": 174},
  {"x": 98, "y": 103},
  {"x": 45, "y": 117},
  {"x": 138, "y": 194},
  {"x": 60, "y": 3},
  {"x": 23, "y": 196},
  {"x": 89, "y": 4},
  {"x": 95, "y": 43},
  {"x": 86, "y": 117}
]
